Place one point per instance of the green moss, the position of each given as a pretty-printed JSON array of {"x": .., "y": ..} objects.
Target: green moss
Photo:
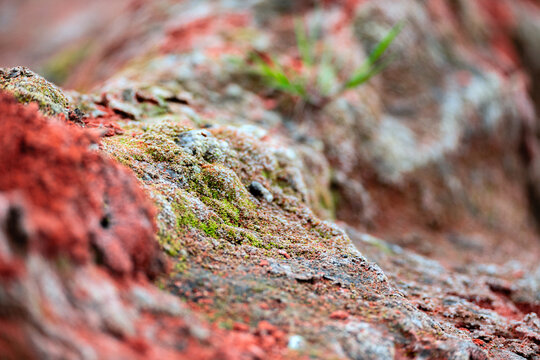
[
  {"x": 268, "y": 175},
  {"x": 181, "y": 265},
  {"x": 125, "y": 149},
  {"x": 27, "y": 87},
  {"x": 243, "y": 236},
  {"x": 222, "y": 185},
  {"x": 225, "y": 209},
  {"x": 210, "y": 228},
  {"x": 255, "y": 241},
  {"x": 162, "y": 150},
  {"x": 169, "y": 244},
  {"x": 187, "y": 219},
  {"x": 229, "y": 214},
  {"x": 160, "y": 141}
]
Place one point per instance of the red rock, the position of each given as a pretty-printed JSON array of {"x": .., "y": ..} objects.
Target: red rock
[
  {"x": 257, "y": 352},
  {"x": 478, "y": 342},
  {"x": 339, "y": 315},
  {"x": 284, "y": 254},
  {"x": 240, "y": 327},
  {"x": 264, "y": 263},
  {"x": 76, "y": 202},
  {"x": 266, "y": 327}
]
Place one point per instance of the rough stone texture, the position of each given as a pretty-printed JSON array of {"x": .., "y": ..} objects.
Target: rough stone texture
[
  {"x": 72, "y": 200},
  {"x": 77, "y": 247},
  {"x": 431, "y": 170},
  {"x": 28, "y": 87}
]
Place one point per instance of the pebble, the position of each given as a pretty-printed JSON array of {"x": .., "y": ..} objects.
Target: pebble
[
  {"x": 258, "y": 190},
  {"x": 339, "y": 315},
  {"x": 296, "y": 342}
]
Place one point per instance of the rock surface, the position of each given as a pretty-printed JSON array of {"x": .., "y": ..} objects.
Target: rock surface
[{"x": 184, "y": 209}]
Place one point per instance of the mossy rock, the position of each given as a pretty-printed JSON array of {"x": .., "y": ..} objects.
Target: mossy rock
[
  {"x": 29, "y": 87},
  {"x": 221, "y": 183}
]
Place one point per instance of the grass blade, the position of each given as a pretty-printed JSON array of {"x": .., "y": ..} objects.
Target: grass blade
[
  {"x": 383, "y": 45},
  {"x": 368, "y": 68},
  {"x": 303, "y": 42},
  {"x": 277, "y": 77},
  {"x": 327, "y": 74},
  {"x": 366, "y": 75}
]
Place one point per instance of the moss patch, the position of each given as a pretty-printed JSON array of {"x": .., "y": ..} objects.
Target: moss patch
[{"x": 29, "y": 87}]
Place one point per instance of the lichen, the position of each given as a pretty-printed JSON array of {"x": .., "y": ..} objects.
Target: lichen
[
  {"x": 205, "y": 177},
  {"x": 28, "y": 87},
  {"x": 222, "y": 184}
]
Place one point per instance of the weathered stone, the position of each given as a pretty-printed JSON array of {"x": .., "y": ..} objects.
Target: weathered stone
[{"x": 427, "y": 168}]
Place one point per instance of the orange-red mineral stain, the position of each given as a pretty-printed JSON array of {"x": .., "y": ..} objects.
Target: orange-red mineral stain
[
  {"x": 339, "y": 315},
  {"x": 76, "y": 202}
]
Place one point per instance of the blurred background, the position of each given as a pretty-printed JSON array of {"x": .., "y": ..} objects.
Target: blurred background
[{"x": 53, "y": 37}]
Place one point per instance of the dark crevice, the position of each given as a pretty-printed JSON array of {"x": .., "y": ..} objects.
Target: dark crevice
[
  {"x": 531, "y": 69},
  {"x": 16, "y": 230},
  {"x": 530, "y": 144},
  {"x": 105, "y": 222}
]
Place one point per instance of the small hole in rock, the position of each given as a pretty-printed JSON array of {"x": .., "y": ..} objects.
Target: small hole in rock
[{"x": 105, "y": 222}]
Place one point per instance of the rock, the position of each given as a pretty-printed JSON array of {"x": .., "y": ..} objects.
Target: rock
[
  {"x": 28, "y": 87},
  {"x": 296, "y": 342},
  {"x": 201, "y": 143},
  {"x": 390, "y": 222},
  {"x": 74, "y": 176},
  {"x": 256, "y": 189},
  {"x": 339, "y": 315},
  {"x": 362, "y": 341}
]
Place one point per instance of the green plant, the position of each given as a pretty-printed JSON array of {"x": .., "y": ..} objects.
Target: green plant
[{"x": 317, "y": 83}]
